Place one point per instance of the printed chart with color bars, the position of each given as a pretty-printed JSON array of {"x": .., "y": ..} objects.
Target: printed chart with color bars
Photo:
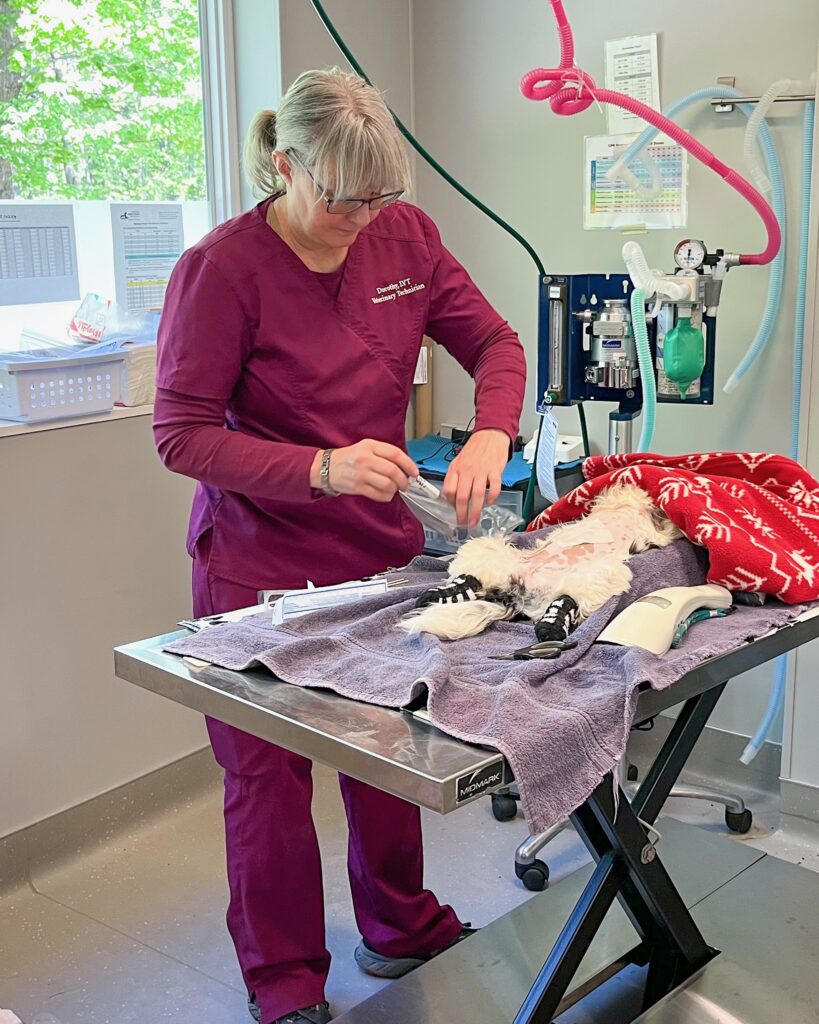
[
  {"x": 148, "y": 251},
  {"x": 148, "y": 240},
  {"x": 661, "y": 169}
]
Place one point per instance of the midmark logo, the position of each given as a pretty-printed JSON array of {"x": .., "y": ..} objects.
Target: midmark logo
[{"x": 487, "y": 777}]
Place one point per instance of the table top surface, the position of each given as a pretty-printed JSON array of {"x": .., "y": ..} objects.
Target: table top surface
[{"x": 397, "y": 750}]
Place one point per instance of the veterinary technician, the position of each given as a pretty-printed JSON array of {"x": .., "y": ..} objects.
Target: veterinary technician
[{"x": 287, "y": 349}]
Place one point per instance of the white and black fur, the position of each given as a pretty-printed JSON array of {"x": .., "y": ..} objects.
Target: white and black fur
[{"x": 512, "y": 581}]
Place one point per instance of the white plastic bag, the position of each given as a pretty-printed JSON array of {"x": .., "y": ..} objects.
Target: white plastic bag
[
  {"x": 99, "y": 320},
  {"x": 432, "y": 509},
  {"x": 100, "y": 325}
]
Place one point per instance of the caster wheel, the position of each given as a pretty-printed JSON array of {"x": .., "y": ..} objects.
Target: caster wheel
[
  {"x": 535, "y": 876},
  {"x": 504, "y": 808},
  {"x": 632, "y": 774},
  {"x": 739, "y": 821}
]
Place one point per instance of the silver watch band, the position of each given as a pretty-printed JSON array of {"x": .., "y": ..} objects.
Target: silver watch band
[{"x": 324, "y": 472}]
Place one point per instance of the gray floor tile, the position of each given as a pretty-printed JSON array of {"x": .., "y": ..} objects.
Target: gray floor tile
[
  {"x": 162, "y": 884},
  {"x": 789, "y": 838},
  {"x": 60, "y": 967},
  {"x": 792, "y": 839},
  {"x": 134, "y": 930}
]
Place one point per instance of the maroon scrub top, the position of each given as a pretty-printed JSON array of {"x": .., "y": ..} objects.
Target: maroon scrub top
[{"x": 263, "y": 362}]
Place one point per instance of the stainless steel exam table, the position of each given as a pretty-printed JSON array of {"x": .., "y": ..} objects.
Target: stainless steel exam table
[{"x": 569, "y": 945}]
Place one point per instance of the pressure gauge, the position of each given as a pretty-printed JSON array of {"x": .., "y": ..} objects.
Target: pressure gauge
[{"x": 690, "y": 254}]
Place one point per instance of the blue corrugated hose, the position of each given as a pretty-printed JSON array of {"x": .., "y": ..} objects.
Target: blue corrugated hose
[
  {"x": 777, "y": 274},
  {"x": 777, "y": 698}
]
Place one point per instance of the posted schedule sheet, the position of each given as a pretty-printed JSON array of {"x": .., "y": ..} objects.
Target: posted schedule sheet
[{"x": 38, "y": 253}]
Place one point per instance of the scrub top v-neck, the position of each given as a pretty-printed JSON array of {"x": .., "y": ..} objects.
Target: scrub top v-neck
[
  {"x": 293, "y": 361},
  {"x": 330, "y": 280}
]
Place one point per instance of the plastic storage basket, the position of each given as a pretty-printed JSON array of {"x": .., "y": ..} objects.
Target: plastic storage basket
[{"x": 36, "y": 388}]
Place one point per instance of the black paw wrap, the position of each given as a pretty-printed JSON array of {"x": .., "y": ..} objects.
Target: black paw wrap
[
  {"x": 454, "y": 591},
  {"x": 561, "y": 618},
  {"x": 504, "y": 597}
]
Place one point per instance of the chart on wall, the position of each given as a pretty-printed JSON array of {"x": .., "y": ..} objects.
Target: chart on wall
[
  {"x": 148, "y": 240},
  {"x": 38, "y": 253},
  {"x": 632, "y": 67},
  {"x": 651, "y": 193}
]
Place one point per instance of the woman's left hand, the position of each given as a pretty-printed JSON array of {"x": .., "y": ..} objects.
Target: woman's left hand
[{"x": 475, "y": 470}]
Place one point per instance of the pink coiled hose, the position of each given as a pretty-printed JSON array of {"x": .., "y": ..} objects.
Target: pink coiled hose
[{"x": 571, "y": 90}]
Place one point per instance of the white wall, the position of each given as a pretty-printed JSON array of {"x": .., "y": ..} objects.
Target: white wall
[
  {"x": 92, "y": 532},
  {"x": 378, "y": 32},
  {"x": 800, "y": 754},
  {"x": 93, "y": 555},
  {"x": 526, "y": 163}
]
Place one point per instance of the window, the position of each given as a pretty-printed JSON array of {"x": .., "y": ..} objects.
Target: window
[{"x": 100, "y": 101}]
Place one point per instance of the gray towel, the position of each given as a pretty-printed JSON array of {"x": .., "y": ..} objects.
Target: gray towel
[{"x": 562, "y": 724}]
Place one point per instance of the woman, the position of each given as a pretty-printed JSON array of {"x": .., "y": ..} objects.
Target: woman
[{"x": 286, "y": 356}]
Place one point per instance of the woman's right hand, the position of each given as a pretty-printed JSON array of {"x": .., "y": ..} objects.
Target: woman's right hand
[{"x": 372, "y": 469}]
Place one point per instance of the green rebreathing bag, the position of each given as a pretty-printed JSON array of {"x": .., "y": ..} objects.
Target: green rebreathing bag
[{"x": 684, "y": 354}]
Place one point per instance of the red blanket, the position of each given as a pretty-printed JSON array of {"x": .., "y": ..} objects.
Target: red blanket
[{"x": 757, "y": 514}]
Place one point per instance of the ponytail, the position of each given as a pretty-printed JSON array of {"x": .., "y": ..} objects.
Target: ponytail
[{"x": 260, "y": 145}]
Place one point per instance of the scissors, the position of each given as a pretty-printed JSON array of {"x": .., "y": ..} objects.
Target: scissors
[
  {"x": 195, "y": 625},
  {"x": 540, "y": 651}
]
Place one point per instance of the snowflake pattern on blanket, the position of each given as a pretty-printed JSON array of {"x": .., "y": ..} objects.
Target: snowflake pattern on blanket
[{"x": 757, "y": 514}]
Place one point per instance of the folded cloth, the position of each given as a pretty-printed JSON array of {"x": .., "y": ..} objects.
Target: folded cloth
[
  {"x": 138, "y": 376},
  {"x": 757, "y": 514},
  {"x": 561, "y": 724}
]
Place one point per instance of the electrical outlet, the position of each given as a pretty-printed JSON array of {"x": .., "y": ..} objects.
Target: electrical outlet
[{"x": 447, "y": 429}]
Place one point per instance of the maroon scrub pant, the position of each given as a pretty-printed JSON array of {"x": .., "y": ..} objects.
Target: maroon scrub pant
[{"x": 276, "y": 910}]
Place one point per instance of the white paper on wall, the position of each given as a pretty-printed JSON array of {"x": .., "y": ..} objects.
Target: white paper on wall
[
  {"x": 38, "y": 253},
  {"x": 632, "y": 68},
  {"x": 148, "y": 240},
  {"x": 660, "y": 201}
]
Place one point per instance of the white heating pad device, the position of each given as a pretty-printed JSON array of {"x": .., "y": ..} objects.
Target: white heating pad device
[{"x": 659, "y": 620}]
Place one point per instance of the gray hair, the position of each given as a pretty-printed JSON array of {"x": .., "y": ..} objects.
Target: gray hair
[{"x": 337, "y": 126}]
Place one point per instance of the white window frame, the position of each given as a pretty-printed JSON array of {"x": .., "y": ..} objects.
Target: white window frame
[{"x": 220, "y": 107}]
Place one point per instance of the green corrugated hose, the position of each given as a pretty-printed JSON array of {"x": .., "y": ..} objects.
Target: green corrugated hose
[{"x": 416, "y": 145}]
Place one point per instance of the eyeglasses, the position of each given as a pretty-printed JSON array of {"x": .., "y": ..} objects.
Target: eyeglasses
[{"x": 342, "y": 206}]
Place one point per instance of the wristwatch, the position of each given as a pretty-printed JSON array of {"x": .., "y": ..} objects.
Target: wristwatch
[{"x": 324, "y": 473}]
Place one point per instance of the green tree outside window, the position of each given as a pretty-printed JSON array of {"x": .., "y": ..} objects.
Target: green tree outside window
[{"x": 101, "y": 99}]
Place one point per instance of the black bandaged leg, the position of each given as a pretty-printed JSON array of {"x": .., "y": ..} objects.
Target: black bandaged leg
[
  {"x": 454, "y": 591},
  {"x": 562, "y": 616}
]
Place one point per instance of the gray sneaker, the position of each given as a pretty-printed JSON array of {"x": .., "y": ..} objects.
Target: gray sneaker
[
  {"x": 318, "y": 1014},
  {"x": 380, "y": 966}
]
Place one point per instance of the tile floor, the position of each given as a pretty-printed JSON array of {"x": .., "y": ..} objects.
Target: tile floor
[{"x": 134, "y": 932}]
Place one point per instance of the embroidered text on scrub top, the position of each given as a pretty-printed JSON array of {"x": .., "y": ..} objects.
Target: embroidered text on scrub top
[{"x": 396, "y": 289}]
